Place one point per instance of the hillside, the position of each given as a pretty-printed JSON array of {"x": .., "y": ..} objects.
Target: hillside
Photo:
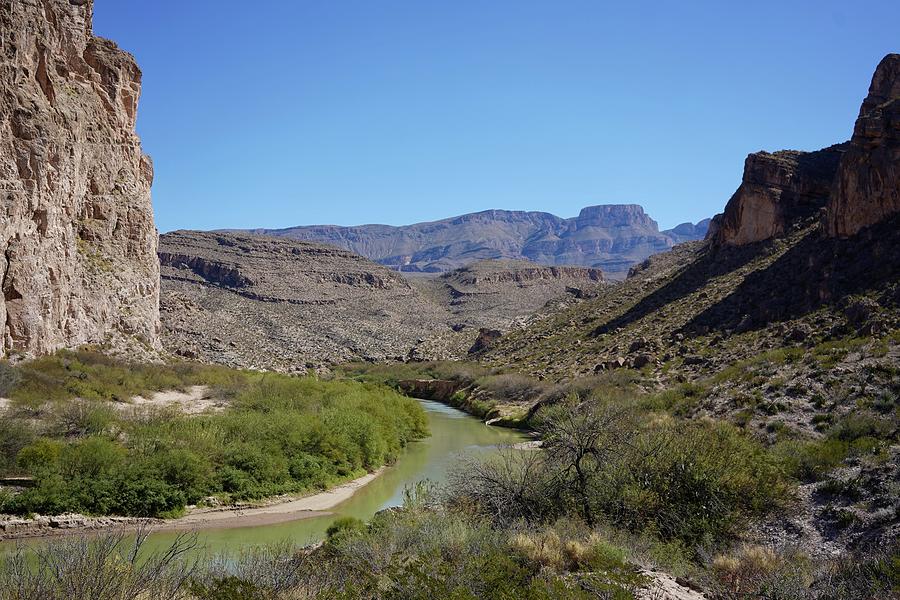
[
  {"x": 785, "y": 322},
  {"x": 609, "y": 237},
  {"x": 264, "y": 302}
]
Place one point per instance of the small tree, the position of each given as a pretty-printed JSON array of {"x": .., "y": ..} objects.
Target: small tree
[{"x": 581, "y": 441}]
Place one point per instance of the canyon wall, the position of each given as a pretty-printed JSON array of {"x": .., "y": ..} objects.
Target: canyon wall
[
  {"x": 77, "y": 238},
  {"x": 867, "y": 188}
]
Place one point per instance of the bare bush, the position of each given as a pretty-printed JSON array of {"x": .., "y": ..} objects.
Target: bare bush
[
  {"x": 581, "y": 441},
  {"x": 515, "y": 485},
  {"x": 513, "y": 387},
  {"x": 109, "y": 566}
]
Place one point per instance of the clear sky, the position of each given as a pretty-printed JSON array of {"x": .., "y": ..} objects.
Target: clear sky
[{"x": 275, "y": 113}]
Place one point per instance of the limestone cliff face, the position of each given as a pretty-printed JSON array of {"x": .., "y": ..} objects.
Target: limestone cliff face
[
  {"x": 867, "y": 188},
  {"x": 77, "y": 239},
  {"x": 777, "y": 190}
]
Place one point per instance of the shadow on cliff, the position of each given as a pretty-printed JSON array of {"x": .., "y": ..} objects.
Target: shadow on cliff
[
  {"x": 709, "y": 265},
  {"x": 818, "y": 271}
]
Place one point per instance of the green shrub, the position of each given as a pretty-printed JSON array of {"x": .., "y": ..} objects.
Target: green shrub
[
  {"x": 692, "y": 482},
  {"x": 679, "y": 400},
  {"x": 9, "y": 379},
  {"x": 344, "y": 526},
  {"x": 810, "y": 460},
  {"x": 280, "y": 435},
  {"x": 227, "y": 588},
  {"x": 858, "y": 425}
]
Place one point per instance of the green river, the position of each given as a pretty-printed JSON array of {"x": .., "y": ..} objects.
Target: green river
[{"x": 453, "y": 433}]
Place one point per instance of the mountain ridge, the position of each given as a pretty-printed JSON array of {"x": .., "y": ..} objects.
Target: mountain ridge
[{"x": 612, "y": 237}]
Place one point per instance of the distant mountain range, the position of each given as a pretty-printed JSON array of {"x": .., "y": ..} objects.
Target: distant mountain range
[{"x": 612, "y": 237}]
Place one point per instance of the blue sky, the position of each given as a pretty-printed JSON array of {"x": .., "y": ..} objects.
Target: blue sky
[{"x": 276, "y": 113}]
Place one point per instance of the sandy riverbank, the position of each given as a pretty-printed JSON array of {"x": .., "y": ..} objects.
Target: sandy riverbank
[{"x": 280, "y": 510}]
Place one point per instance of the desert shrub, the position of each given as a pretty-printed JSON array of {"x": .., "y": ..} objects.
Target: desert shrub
[
  {"x": 15, "y": 434},
  {"x": 855, "y": 426},
  {"x": 696, "y": 483},
  {"x": 91, "y": 375},
  {"x": 392, "y": 373},
  {"x": 693, "y": 483},
  {"x": 679, "y": 400},
  {"x": 109, "y": 566},
  {"x": 758, "y": 572},
  {"x": 512, "y": 387},
  {"x": 9, "y": 378},
  {"x": 77, "y": 418},
  {"x": 873, "y": 575},
  {"x": 344, "y": 526},
  {"x": 447, "y": 554},
  {"x": 811, "y": 460}
]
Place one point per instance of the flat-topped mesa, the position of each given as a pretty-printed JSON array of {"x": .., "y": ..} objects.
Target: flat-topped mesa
[
  {"x": 614, "y": 215},
  {"x": 777, "y": 190},
  {"x": 512, "y": 271},
  {"x": 77, "y": 239},
  {"x": 867, "y": 189}
]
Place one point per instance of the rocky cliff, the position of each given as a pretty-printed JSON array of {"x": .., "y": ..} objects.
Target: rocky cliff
[
  {"x": 868, "y": 185},
  {"x": 856, "y": 183},
  {"x": 778, "y": 189},
  {"x": 77, "y": 239},
  {"x": 609, "y": 237}
]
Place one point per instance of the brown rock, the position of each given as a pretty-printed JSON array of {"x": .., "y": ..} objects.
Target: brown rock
[
  {"x": 77, "y": 239},
  {"x": 642, "y": 360},
  {"x": 867, "y": 188},
  {"x": 486, "y": 338},
  {"x": 777, "y": 190}
]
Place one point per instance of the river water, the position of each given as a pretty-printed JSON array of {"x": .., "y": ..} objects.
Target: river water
[{"x": 453, "y": 434}]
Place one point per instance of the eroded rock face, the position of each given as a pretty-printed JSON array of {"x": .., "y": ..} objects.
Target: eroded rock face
[
  {"x": 778, "y": 189},
  {"x": 77, "y": 239},
  {"x": 867, "y": 188}
]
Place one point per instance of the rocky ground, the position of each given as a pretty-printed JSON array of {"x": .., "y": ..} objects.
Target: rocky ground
[{"x": 261, "y": 302}]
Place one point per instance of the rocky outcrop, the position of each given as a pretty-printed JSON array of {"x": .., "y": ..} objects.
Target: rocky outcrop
[
  {"x": 610, "y": 237},
  {"x": 868, "y": 185},
  {"x": 778, "y": 190},
  {"x": 77, "y": 239}
]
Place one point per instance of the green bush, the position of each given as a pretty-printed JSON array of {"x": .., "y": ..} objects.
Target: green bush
[
  {"x": 343, "y": 526},
  {"x": 693, "y": 482},
  {"x": 280, "y": 435}
]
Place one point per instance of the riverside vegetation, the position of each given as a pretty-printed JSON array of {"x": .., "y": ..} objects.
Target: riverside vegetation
[
  {"x": 71, "y": 429},
  {"x": 625, "y": 484}
]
